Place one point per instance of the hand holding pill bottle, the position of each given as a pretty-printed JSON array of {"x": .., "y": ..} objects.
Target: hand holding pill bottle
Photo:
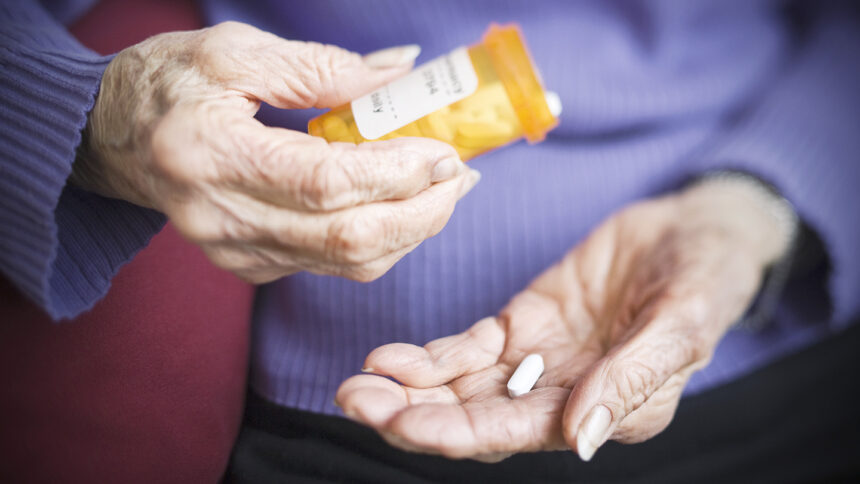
[{"x": 475, "y": 98}]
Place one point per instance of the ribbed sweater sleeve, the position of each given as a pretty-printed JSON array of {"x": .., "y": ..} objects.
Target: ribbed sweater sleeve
[
  {"x": 803, "y": 138},
  {"x": 59, "y": 245}
]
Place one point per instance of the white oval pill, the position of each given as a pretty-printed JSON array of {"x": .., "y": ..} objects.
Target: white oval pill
[{"x": 526, "y": 375}]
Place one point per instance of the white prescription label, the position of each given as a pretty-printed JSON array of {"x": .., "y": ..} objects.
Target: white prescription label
[{"x": 429, "y": 87}]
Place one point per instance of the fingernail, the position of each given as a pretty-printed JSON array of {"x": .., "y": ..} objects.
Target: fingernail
[
  {"x": 393, "y": 56},
  {"x": 472, "y": 179},
  {"x": 445, "y": 169},
  {"x": 592, "y": 433},
  {"x": 367, "y": 369}
]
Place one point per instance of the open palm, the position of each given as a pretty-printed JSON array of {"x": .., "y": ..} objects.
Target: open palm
[{"x": 621, "y": 322}]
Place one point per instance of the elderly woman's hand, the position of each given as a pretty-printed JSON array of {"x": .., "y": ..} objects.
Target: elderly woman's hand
[
  {"x": 621, "y": 322},
  {"x": 173, "y": 129}
]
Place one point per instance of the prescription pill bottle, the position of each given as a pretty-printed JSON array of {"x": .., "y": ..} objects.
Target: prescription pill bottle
[{"x": 475, "y": 98}]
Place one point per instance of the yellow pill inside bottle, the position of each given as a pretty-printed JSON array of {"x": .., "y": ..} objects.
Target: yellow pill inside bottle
[{"x": 474, "y": 98}]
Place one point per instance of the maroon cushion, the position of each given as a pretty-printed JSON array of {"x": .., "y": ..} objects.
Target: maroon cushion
[{"x": 149, "y": 385}]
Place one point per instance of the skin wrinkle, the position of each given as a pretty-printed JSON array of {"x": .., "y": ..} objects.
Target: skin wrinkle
[
  {"x": 163, "y": 175},
  {"x": 481, "y": 343},
  {"x": 533, "y": 431},
  {"x": 254, "y": 152},
  {"x": 365, "y": 272},
  {"x": 633, "y": 384},
  {"x": 475, "y": 340},
  {"x": 576, "y": 303},
  {"x": 473, "y": 386},
  {"x": 299, "y": 93},
  {"x": 610, "y": 300},
  {"x": 630, "y": 428},
  {"x": 262, "y": 231},
  {"x": 671, "y": 289},
  {"x": 554, "y": 307},
  {"x": 374, "y": 269},
  {"x": 589, "y": 293},
  {"x": 309, "y": 63},
  {"x": 451, "y": 450},
  {"x": 658, "y": 275},
  {"x": 234, "y": 227},
  {"x": 612, "y": 323},
  {"x": 298, "y": 83},
  {"x": 512, "y": 432},
  {"x": 409, "y": 367},
  {"x": 449, "y": 395},
  {"x": 327, "y": 184},
  {"x": 173, "y": 129},
  {"x": 224, "y": 153},
  {"x": 654, "y": 417},
  {"x": 323, "y": 70},
  {"x": 353, "y": 173},
  {"x": 396, "y": 189},
  {"x": 359, "y": 240},
  {"x": 592, "y": 297},
  {"x": 269, "y": 159}
]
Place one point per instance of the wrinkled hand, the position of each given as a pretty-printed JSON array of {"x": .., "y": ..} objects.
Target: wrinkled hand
[
  {"x": 621, "y": 322},
  {"x": 173, "y": 129}
]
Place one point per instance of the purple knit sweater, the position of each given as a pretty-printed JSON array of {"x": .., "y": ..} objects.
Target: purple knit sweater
[
  {"x": 655, "y": 92},
  {"x": 60, "y": 246}
]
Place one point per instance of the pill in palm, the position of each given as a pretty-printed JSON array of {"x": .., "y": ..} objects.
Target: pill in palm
[{"x": 526, "y": 375}]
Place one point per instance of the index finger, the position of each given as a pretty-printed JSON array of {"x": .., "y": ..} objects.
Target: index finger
[
  {"x": 303, "y": 172},
  {"x": 442, "y": 360}
]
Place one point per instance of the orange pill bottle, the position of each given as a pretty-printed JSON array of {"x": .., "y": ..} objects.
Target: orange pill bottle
[{"x": 475, "y": 98}]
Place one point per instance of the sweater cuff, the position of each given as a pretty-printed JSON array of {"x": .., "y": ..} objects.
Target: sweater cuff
[
  {"x": 803, "y": 139},
  {"x": 60, "y": 246}
]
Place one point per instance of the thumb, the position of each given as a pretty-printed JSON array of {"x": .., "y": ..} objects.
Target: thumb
[
  {"x": 330, "y": 76},
  {"x": 296, "y": 75},
  {"x": 632, "y": 380}
]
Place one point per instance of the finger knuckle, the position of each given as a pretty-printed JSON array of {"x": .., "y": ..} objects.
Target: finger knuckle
[
  {"x": 171, "y": 158},
  {"x": 325, "y": 187},
  {"x": 354, "y": 239},
  {"x": 322, "y": 64},
  {"x": 421, "y": 155},
  {"x": 215, "y": 45},
  {"x": 201, "y": 232},
  {"x": 410, "y": 161},
  {"x": 442, "y": 214},
  {"x": 211, "y": 41},
  {"x": 286, "y": 237},
  {"x": 362, "y": 274},
  {"x": 369, "y": 272},
  {"x": 165, "y": 145},
  {"x": 235, "y": 228},
  {"x": 198, "y": 229},
  {"x": 229, "y": 30}
]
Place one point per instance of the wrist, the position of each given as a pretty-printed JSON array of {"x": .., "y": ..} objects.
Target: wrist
[
  {"x": 105, "y": 158},
  {"x": 753, "y": 211}
]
